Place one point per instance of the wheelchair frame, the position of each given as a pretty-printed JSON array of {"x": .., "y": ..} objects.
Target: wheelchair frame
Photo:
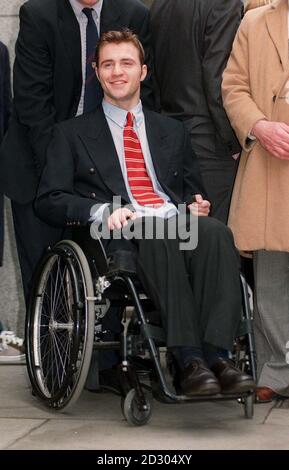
[{"x": 63, "y": 327}]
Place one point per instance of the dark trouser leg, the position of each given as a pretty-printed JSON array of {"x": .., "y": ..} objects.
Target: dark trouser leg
[
  {"x": 162, "y": 270},
  {"x": 218, "y": 173},
  {"x": 197, "y": 292},
  {"x": 213, "y": 269},
  {"x": 219, "y": 176},
  {"x": 33, "y": 236}
]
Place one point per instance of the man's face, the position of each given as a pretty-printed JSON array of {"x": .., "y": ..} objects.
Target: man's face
[
  {"x": 120, "y": 74},
  {"x": 88, "y": 3}
]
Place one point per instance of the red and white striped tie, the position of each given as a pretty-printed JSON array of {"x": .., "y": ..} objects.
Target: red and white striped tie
[{"x": 138, "y": 178}]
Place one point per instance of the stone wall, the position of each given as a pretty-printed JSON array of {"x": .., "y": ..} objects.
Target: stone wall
[
  {"x": 11, "y": 300},
  {"x": 9, "y": 23}
]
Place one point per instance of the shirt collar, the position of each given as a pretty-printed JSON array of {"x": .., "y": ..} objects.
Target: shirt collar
[
  {"x": 118, "y": 115},
  {"x": 78, "y": 7}
]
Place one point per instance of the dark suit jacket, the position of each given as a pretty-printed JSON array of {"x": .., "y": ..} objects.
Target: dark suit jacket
[
  {"x": 48, "y": 80},
  {"x": 5, "y": 103},
  {"x": 83, "y": 169},
  {"x": 191, "y": 41}
]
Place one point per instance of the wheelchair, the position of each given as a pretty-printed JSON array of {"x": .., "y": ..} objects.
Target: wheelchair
[{"x": 74, "y": 286}]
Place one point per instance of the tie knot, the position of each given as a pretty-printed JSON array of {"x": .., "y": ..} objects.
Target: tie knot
[
  {"x": 88, "y": 13},
  {"x": 129, "y": 119}
]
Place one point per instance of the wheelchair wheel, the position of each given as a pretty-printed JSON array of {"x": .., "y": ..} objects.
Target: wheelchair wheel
[
  {"x": 249, "y": 406},
  {"x": 135, "y": 413},
  {"x": 60, "y": 326}
]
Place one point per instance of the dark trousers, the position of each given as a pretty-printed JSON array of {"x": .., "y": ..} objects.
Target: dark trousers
[
  {"x": 197, "y": 292},
  {"x": 218, "y": 172},
  {"x": 33, "y": 236}
]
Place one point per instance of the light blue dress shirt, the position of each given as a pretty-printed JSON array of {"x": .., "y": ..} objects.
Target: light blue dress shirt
[{"x": 116, "y": 119}]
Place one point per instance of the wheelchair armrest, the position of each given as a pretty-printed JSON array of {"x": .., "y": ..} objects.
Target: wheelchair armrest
[{"x": 92, "y": 247}]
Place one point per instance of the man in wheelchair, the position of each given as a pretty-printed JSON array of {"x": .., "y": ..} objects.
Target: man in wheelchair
[{"x": 146, "y": 160}]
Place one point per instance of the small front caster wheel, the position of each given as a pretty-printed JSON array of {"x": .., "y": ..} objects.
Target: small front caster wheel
[
  {"x": 249, "y": 406},
  {"x": 135, "y": 413}
]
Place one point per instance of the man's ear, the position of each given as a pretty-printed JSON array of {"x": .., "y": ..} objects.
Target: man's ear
[
  {"x": 144, "y": 72},
  {"x": 95, "y": 69}
]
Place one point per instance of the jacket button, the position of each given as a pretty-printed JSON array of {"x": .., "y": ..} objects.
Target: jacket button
[
  {"x": 91, "y": 171},
  {"x": 274, "y": 98},
  {"x": 92, "y": 195},
  {"x": 176, "y": 173}
]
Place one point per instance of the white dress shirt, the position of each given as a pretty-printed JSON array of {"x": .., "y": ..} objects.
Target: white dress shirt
[{"x": 82, "y": 20}]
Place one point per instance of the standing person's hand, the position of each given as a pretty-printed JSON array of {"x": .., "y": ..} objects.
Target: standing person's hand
[
  {"x": 201, "y": 207},
  {"x": 274, "y": 137}
]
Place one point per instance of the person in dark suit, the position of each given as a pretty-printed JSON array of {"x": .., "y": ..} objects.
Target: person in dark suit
[
  {"x": 191, "y": 42},
  {"x": 49, "y": 86},
  {"x": 5, "y": 108},
  {"x": 146, "y": 160}
]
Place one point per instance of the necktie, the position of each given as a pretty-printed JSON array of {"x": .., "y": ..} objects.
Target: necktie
[
  {"x": 92, "y": 91},
  {"x": 138, "y": 178}
]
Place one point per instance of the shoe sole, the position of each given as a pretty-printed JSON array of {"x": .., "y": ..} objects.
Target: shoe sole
[{"x": 242, "y": 387}]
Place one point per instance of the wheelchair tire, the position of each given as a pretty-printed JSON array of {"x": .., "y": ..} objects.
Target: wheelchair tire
[
  {"x": 131, "y": 409},
  {"x": 60, "y": 326},
  {"x": 249, "y": 406}
]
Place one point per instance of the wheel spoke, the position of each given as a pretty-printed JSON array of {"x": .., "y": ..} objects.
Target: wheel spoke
[{"x": 59, "y": 339}]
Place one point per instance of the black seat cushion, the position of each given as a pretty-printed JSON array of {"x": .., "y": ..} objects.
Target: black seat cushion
[{"x": 122, "y": 261}]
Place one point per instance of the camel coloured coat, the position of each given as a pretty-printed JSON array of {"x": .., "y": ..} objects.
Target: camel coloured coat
[
  {"x": 256, "y": 86},
  {"x": 250, "y": 4}
]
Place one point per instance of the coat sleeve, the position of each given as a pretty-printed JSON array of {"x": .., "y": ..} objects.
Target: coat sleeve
[
  {"x": 33, "y": 84},
  {"x": 56, "y": 201},
  {"x": 238, "y": 102},
  {"x": 223, "y": 20}
]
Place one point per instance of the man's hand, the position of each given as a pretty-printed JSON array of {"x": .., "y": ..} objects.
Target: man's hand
[
  {"x": 119, "y": 217},
  {"x": 200, "y": 207},
  {"x": 274, "y": 137}
]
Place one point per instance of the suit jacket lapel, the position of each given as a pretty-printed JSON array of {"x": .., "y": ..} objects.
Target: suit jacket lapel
[
  {"x": 110, "y": 14},
  {"x": 98, "y": 142},
  {"x": 69, "y": 28},
  {"x": 277, "y": 20}
]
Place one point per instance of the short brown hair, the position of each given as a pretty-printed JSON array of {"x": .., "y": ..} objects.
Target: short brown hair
[{"x": 116, "y": 37}]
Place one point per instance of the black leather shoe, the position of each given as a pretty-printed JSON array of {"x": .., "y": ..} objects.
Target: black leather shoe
[
  {"x": 231, "y": 379},
  {"x": 199, "y": 380}
]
